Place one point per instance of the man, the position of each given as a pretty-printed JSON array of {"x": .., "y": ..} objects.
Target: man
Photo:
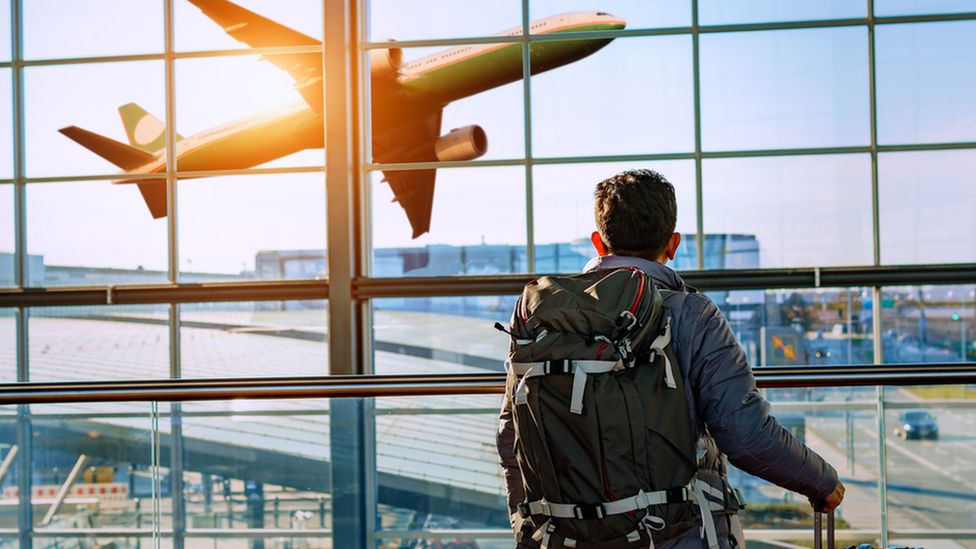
[{"x": 636, "y": 213}]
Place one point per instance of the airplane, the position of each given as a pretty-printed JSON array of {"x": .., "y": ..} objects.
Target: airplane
[{"x": 408, "y": 100}]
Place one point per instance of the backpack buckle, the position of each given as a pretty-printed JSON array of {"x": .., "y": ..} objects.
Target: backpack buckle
[
  {"x": 589, "y": 512},
  {"x": 523, "y": 509}
]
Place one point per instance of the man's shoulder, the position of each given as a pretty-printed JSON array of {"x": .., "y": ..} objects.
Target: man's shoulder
[{"x": 686, "y": 304}]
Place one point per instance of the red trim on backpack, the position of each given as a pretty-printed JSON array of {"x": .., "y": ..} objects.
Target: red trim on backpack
[{"x": 600, "y": 349}]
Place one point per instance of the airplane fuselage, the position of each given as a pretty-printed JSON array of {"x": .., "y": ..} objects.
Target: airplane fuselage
[{"x": 432, "y": 81}]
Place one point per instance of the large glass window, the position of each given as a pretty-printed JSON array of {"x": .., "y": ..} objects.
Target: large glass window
[
  {"x": 723, "y": 12},
  {"x": 923, "y": 92},
  {"x": 803, "y": 210},
  {"x": 65, "y": 28},
  {"x": 7, "y": 235},
  {"x": 785, "y": 89},
  {"x": 93, "y": 233},
  {"x": 104, "y": 342},
  {"x": 254, "y": 339},
  {"x": 402, "y": 20},
  {"x": 263, "y": 219},
  {"x": 196, "y": 31},
  {"x": 8, "y": 345},
  {"x": 6, "y": 127},
  {"x": 633, "y": 96},
  {"x": 474, "y": 210},
  {"x": 564, "y": 217},
  {"x": 66, "y": 105},
  {"x": 926, "y": 203}
]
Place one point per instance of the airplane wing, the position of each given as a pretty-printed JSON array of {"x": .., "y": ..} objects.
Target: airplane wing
[
  {"x": 413, "y": 189},
  {"x": 260, "y": 32}
]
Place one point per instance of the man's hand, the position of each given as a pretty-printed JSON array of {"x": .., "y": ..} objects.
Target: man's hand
[{"x": 832, "y": 501}]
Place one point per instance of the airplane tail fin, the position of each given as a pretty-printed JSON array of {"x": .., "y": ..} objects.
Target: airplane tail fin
[
  {"x": 124, "y": 156},
  {"x": 154, "y": 193},
  {"x": 144, "y": 130}
]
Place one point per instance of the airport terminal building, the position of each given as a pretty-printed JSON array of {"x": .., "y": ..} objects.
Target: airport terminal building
[{"x": 251, "y": 252}]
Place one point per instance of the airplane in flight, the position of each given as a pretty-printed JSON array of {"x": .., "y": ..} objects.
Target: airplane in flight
[{"x": 408, "y": 100}]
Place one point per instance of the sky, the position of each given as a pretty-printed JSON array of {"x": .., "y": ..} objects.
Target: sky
[{"x": 760, "y": 90}]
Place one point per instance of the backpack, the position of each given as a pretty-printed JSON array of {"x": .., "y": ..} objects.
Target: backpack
[{"x": 602, "y": 432}]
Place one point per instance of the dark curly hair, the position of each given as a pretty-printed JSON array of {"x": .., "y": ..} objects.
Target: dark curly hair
[{"x": 636, "y": 213}]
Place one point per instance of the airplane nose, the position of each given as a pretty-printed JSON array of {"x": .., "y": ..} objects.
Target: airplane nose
[{"x": 615, "y": 23}]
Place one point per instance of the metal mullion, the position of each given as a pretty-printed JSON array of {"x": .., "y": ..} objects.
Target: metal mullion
[
  {"x": 961, "y": 145},
  {"x": 699, "y": 194},
  {"x": 527, "y": 136},
  {"x": 877, "y": 290},
  {"x": 24, "y": 430},
  {"x": 94, "y": 177},
  {"x": 271, "y": 50},
  {"x": 173, "y": 271}
]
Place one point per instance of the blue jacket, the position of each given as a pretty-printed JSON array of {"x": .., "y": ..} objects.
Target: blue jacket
[{"x": 729, "y": 416}]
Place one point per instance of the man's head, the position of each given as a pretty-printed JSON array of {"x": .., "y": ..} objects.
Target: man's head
[{"x": 636, "y": 213}]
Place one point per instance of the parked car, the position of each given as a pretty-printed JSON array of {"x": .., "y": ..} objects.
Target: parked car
[{"x": 917, "y": 424}]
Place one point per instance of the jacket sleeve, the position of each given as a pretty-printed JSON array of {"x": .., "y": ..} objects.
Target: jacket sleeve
[
  {"x": 738, "y": 417},
  {"x": 505, "y": 441}
]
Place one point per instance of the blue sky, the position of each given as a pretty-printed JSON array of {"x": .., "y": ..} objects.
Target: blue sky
[{"x": 773, "y": 89}]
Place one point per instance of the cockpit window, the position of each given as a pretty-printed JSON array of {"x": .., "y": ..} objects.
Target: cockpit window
[{"x": 602, "y": 13}]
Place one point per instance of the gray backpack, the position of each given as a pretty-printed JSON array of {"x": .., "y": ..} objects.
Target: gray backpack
[{"x": 602, "y": 432}]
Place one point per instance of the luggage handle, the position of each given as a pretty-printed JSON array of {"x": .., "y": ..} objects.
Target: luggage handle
[{"x": 818, "y": 530}]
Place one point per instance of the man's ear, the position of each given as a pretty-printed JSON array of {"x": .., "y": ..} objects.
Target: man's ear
[
  {"x": 598, "y": 245},
  {"x": 672, "y": 247}
]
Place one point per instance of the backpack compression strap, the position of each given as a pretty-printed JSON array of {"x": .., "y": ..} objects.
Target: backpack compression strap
[
  {"x": 657, "y": 347},
  {"x": 579, "y": 368},
  {"x": 696, "y": 489}
]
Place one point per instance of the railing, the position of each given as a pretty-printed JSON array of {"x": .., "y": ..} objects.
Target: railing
[
  {"x": 363, "y": 386},
  {"x": 57, "y": 406}
]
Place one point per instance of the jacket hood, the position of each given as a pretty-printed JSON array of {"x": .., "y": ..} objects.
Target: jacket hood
[{"x": 662, "y": 275}]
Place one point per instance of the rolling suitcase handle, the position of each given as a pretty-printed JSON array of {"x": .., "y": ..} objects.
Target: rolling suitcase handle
[{"x": 818, "y": 530}]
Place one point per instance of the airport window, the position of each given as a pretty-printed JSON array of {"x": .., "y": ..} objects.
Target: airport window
[
  {"x": 917, "y": 188},
  {"x": 65, "y": 104},
  {"x": 730, "y": 12},
  {"x": 813, "y": 210},
  {"x": 586, "y": 108},
  {"x": 923, "y": 96},
  {"x": 483, "y": 208},
  {"x": 7, "y": 235},
  {"x": 785, "y": 89},
  {"x": 564, "y": 210},
  {"x": 57, "y": 29},
  {"x": 273, "y": 229},
  {"x": 822, "y": 159},
  {"x": 638, "y": 14},
  {"x": 255, "y": 338},
  {"x": 8, "y": 347},
  {"x": 114, "y": 240},
  {"x": 98, "y": 342}
]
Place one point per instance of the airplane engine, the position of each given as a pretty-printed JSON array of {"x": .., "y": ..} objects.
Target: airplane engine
[
  {"x": 385, "y": 65},
  {"x": 465, "y": 143}
]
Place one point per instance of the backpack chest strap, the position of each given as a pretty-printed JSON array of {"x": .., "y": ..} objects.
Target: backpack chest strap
[{"x": 579, "y": 368}]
